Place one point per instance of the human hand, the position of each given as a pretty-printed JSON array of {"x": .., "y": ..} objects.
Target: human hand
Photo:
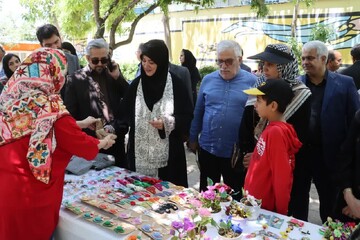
[
  {"x": 194, "y": 146},
  {"x": 246, "y": 160},
  {"x": 89, "y": 122},
  {"x": 157, "y": 123},
  {"x": 353, "y": 205},
  {"x": 108, "y": 141},
  {"x": 115, "y": 73}
]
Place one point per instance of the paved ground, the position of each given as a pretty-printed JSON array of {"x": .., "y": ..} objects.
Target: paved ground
[{"x": 193, "y": 178}]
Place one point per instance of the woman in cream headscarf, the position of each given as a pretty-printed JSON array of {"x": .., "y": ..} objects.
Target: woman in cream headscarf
[{"x": 37, "y": 139}]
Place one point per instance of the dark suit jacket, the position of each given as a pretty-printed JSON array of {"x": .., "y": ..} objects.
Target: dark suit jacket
[
  {"x": 340, "y": 103},
  {"x": 81, "y": 101},
  {"x": 354, "y": 72}
]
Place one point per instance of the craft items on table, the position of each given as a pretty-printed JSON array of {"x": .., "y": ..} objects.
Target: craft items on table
[
  {"x": 336, "y": 230},
  {"x": 122, "y": 201}
]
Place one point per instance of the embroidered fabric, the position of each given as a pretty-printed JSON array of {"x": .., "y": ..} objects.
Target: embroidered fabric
[{"x": 151, "y": 151}]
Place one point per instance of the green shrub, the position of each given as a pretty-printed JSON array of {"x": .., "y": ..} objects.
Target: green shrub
[
  {"x": 129, "y": 70},
  {"x": 206, "y": 70}
]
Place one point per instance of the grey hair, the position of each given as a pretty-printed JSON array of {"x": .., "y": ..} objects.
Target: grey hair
[
  {"x": 229, "y": 44},
  {"x": 321, "y": 49},
  {"x": 96, "y": 43}
]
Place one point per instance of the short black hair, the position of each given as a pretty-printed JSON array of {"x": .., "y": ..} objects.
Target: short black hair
[
  {"x": 355, "y": 52},
  {"x": 68, "y": 46},
  {"x": 281, "y": 106},
  {"x": 46, "y": 31},
  {"x": 331, "y": 56}
]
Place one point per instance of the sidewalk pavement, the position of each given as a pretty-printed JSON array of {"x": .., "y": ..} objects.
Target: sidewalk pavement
[{"x": 194, "y": 177}]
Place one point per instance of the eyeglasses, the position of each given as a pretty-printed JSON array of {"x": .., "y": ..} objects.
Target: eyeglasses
[
  {"x": 227, "y": 62},
  {"x": 308, "y": 58},
  {"x": 96, "y": 61}
]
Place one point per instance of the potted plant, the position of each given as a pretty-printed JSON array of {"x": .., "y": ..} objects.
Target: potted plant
[
  {"x": 336, "y": 230},
  {"x": 211, "y": 200},
  {"x": 236, "y": 211},
  {"x": 222, "y": 190},
  {"x": 193, "y": 226},
  {"x": 251, "y": 205},
  {"x": 227, "y": 230}
]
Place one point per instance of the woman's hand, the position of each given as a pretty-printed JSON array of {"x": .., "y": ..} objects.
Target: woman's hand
[
  {"x": 107, "y": 141},
  {"x": 157, "y": 123},
  {"x": 89, "y": 122}
]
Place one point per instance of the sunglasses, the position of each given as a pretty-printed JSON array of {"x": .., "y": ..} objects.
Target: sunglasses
[
  {"x": 227, "y": 62},
  {"x": 96, "y": 61}
]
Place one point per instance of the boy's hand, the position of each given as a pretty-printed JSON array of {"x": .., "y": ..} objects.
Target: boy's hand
[{"x": 246, "y": 160}]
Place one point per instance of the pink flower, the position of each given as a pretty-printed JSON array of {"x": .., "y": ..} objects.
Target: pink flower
[
  {"x": 204, "y": 212},
  {"x": 195, "y": 203},
  {"x": 209, "y": 195},
  {"x": 222, "y": 189}
]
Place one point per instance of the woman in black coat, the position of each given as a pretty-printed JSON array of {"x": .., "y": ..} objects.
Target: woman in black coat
[
  {"x": 158, "y": 109},
  {"x": 188, "y": 60}
]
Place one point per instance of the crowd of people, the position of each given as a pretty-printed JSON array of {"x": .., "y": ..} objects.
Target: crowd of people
[{"x": 272, "y": 133}]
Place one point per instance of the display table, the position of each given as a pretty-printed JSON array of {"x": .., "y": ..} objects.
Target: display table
[{"x": 75, "y": 227}]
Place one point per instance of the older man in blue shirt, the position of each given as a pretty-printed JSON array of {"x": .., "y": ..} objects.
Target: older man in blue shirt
[{"x": 218, "y": 112}]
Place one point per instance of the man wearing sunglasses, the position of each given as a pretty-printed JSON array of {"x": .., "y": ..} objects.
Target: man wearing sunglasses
[
  {"x": 96, "y": 91},
  {"x": 218, "y": 112}
]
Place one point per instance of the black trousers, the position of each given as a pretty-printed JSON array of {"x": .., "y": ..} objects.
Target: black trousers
[
  {"x": 214, "y": 167},
  {"x": 311, "y": 166}
]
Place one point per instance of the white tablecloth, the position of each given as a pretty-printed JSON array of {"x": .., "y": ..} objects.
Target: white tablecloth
[{"x": 73, "y": 227}]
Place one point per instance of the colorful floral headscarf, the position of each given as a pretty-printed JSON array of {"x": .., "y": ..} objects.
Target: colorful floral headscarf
[{"x": 30, "y": 104}]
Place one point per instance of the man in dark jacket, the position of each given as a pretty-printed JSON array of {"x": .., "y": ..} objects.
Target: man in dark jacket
[
  {"x": 96, "y": 91},
  {"x": 333, "y": 105},
  {"x": 354, "y": 70},
  {"x": 49, "y": 36}
]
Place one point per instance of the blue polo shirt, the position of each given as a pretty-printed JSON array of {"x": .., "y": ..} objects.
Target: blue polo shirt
[{"x": 218, "y": 112}]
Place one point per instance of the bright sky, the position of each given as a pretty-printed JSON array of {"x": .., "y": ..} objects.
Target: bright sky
[{"x": 11, "y": 8}]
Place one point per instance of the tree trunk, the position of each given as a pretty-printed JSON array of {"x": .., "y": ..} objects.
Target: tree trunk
[
  {"x": 166, "y": 24},
  {"x": 294, "y": 20}
]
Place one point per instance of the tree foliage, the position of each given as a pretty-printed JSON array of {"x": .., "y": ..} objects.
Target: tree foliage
[{"x": 78, "y": 18}]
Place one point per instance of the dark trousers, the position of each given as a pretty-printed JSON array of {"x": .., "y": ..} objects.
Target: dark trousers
[
  {"x": 214, "y": 167},
  {"x": 311, "y": 166}
]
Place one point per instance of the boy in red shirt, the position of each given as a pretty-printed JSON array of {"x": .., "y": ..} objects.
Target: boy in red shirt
[{"x": 270, "y": 173}]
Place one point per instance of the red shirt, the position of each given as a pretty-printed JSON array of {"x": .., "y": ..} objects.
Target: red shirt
[
  {"x": 29, "y": 209},
  {"x": 270, "y": 173}
]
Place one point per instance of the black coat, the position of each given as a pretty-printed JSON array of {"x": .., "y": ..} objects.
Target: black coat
[
  {"x": 354, "y": 72},
  {"x": 81, "y": 101},
  {"x": 176, "y": 171},
  {"x": 348, "y": 168}
]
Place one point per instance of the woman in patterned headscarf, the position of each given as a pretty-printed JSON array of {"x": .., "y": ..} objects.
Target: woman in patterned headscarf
[
  {"x": 279, "y": 62},
  {"x": 37, "y": 139}
]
